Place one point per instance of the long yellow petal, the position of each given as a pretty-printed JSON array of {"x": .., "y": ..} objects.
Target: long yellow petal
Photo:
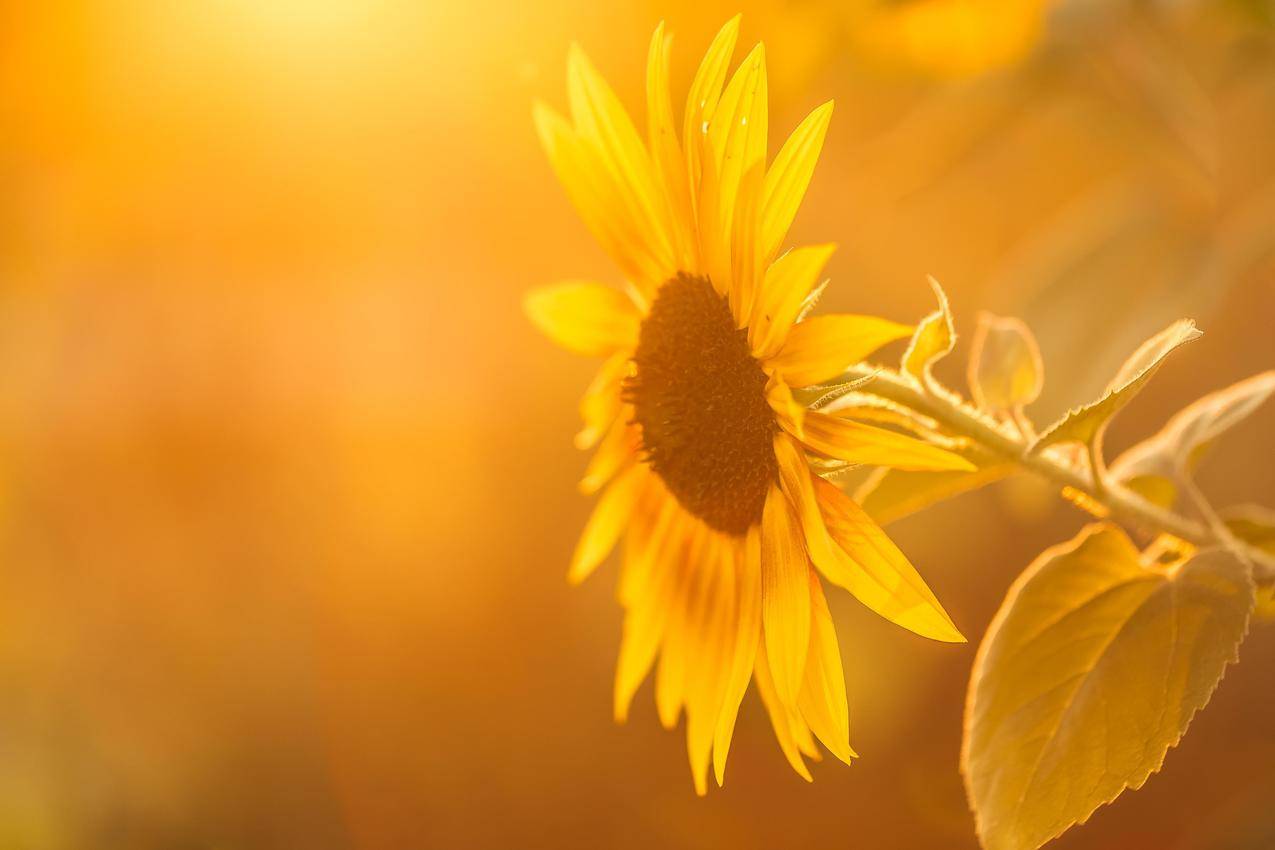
[
  {"x": 790, "y": 414},
  {"x": 618, "y": 447},
  {"x": 701, "y": 102},
  {"x": 710, "y": 664},
  {"x": 823, "y": 693},
  {"x": 601, "y": 402},
  {"x": 821, "y": 348},
  {"x": 584, "y": 317},
  {"x": 781, "y": 719},
  {"x": 785, "y": 603},
  {"x": 858, "y": 443},
  {"x": 730, "y": 207},
  {"x": 651, "y": 599},
  {"x": 605, "y": 524},
  {"x": 744, "y": 654},
  {"x": 876, "y": 573},
  {"x": 854, "y": 553},
  {"x": 787, "y": 283},
  {"x": 601, "y": 120},
  {"x": 685, "y": 615},
  {"x": 788, "y": 177},
  {"x": 592, "y": 191},
  {"x": 666, "y": 153}
]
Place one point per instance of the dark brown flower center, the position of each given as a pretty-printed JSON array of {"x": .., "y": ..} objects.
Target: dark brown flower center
[{"x": 700, "y": 399}]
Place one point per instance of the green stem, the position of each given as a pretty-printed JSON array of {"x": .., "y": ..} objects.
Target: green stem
[{"x": 1121, "y": 503}]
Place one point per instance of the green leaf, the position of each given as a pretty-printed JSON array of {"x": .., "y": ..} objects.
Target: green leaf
[
  {"x": 1091, "y": 670},
  {"x": 1085, "y": 424},
  {"x": 1160, "y": 462},
  {"x": 933, "y": 339},
  {"x": 1005, "y": 370}
]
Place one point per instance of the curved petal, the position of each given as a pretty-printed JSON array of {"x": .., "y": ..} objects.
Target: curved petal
[
  {"x": 608, "y": 520},
  {"x": 592, "y": 191},
  {"x": 783, "y": 720},
  {"x": 788, "y": 413},
  {"x": 855, "y": 442},
  {"x": 852, "y": 552},
  {"x": 650, "y": 598},
  {"x": 876, "y": 572},
  {"x": 601, "y": 120},
  {"x": 666, "y": 153},
  {"x": 744, "y": 651},
  {"x": 602, "y": 401},
  {"x": 787, "y": 283},
  {"x": 785, "y": 596},
  {"x": 731, "y": 198},
  {"x": 821, "y": 348},
  {"x": 584, "y": 317},
  {"x": 823, "y": 693},
  {"x": 620, "y": 445},
  {"x": 701, "y": 102},
  {"x": 788, "y": 177}
]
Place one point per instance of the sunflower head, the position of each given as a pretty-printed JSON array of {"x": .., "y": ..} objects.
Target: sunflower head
[{"x": 702, "y": 452}]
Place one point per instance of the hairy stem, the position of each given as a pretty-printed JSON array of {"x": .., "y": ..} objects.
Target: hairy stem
[{"x": 1121, "y": 503}]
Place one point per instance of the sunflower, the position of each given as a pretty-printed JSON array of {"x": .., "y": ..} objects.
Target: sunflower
[{"x": 705, "y": 462}]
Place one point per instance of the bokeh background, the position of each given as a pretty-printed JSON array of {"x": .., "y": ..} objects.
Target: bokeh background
[{"x": 286, "y": 479}]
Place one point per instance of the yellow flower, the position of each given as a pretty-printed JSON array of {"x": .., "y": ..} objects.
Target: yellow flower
[{"x": 701, "y": 450}]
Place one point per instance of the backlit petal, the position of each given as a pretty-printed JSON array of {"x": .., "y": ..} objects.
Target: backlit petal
[
  {"x": 785, "y": 602},
  {"x": 608, "y": 520},
  {"x": 587, "y": 318},
  {"x": 592, "y": 190},
  {"x": 823, "y": 693},
  {"x": 788, "y": 177},
  {"x": 876, "y": 572},
  {"x": 787, "y": 283},
  {"x": 747, "y": 634},
  {"x": 856, "y": 442},
  {"x": 821, "y": 348},
  {"x": 701, "y": 101},
  {"x": 601, "y": 120},
  {"x": 782, "y": 719}
]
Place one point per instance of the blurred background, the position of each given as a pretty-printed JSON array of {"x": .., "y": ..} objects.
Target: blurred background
[{"x": 287, "y": 489}]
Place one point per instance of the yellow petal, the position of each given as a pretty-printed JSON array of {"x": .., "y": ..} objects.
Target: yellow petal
[
  {"x": 652, "y": 598},
  {"x": 601, "y": 402},
  {"x": 601, "y": 120},
  {"x": 592, "y": 190},
  {"x": 608, "y": 519},
  {"x": 790, "y": 415},
  {"x": 823, "y": 693},
  {"x": 854, "y": 553},
  {"x": 587, "y": 318},
  {"x": 858, "y": 443},
  {"x": 785, "y": 605},
  {"x": 821, "y": 348},
  {"x": 747, "y": 634},
  {"x": 709, "y": 667},
  {"x": 730, "y": 206},
  {"x": 701, "y": 101},
  {"x": 620, "y": 445},
  {"x": 780, "y": 717},
  {"x": 666, "y": 153},
  {"x": 788, "y": 177},
  {"x": 684, "y": 624},
  {"x": 787, "y": 283},
  {"x": 875, "y": 572}
]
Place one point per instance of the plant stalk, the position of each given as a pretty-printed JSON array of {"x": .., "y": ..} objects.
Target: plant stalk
[{"x": 1121, "y": 503}]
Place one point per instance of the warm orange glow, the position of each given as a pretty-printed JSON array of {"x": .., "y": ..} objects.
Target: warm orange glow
[{"x": 287, "y": 486}]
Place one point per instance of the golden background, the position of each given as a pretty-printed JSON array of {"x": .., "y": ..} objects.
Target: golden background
[{"x": 287, "y": 490}]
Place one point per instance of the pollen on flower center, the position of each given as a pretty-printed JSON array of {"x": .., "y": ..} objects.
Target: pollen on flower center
[{"x": 699, "y": 396}]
